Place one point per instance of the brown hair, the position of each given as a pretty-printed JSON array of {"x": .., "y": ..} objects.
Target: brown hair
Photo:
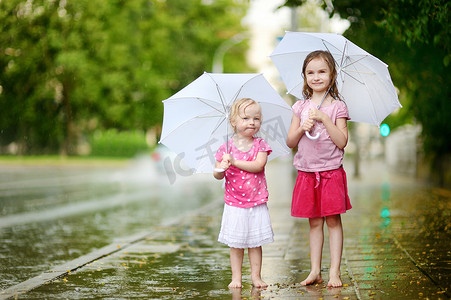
[
  {"x": 235, "y": 109},
  {"x": 307, "y": 92}
]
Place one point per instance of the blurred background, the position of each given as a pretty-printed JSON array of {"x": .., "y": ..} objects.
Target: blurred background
[
  {"x": 85, "y": 79},
  {"x": 81, "y": 90}
]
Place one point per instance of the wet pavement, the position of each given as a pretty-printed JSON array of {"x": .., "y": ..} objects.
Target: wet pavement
[{"x": 396, "y": 246}]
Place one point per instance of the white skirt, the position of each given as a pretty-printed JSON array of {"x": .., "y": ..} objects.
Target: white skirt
[{"x": 246, "y": 227}]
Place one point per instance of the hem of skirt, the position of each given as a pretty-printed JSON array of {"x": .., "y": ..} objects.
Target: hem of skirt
[
  {"x": 320, "y": 216},
  {"x": 241, "y": 246}
]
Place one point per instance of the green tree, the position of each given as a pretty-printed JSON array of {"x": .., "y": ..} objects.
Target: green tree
[
  {"x": 71, "y": 67},
  {"x": 413, "y": 38}
]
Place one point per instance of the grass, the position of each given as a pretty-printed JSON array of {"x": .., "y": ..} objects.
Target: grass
[
  {"x": 114, "y": 143},
  {"x": 108, "y": 148}
]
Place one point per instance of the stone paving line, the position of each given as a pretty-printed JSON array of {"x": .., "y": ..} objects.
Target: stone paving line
[
  {"x": 64, "y": 269},
  {"x": 375, "y": 264},
  {"x": 119, "y": 245}
]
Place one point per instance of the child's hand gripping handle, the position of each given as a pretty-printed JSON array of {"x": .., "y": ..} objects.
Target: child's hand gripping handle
[
  {"x": 308, "y": 125},
  {"x": 225, "y": 163},
  {"x": 313, "y": 113}
]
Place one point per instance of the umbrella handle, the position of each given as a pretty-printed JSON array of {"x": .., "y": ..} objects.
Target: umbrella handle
[
  {"x": 312, "y": 137},
  {"x": 219, "y": 170}
]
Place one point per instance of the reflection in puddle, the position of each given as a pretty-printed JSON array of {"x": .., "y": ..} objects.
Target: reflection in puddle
[{"x": 96, "y": 207}]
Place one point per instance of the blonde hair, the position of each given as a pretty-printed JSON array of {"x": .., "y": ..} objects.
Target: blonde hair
[
  {"x": 307, "y": 91},
  {"x": 237, "y": 105}
]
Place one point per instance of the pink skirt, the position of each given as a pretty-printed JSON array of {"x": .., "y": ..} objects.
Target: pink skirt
[{"x": 320, "y": 194}]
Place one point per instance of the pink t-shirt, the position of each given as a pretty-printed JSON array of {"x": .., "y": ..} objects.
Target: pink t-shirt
[
  {"x": 242, "y": 188},
  {"x": 320, "y": 154}
]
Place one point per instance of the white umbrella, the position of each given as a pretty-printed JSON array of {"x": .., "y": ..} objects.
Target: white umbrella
[
  {"x": 195, "y": 121},
  {"x": 362, "y": 80}
]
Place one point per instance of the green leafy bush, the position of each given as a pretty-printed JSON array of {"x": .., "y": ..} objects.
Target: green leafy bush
[{"x": 114, "y": 143}]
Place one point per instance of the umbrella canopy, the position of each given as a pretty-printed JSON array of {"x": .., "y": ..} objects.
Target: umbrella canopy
[
  {"x": 195, "y": 121},
  {"x": 362, "y": 79}
]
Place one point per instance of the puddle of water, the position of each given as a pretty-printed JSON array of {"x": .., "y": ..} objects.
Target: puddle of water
[
  {"x": 191, "y": 264},
  {"x": 29, "y": 249},
  {"x": 405, "y": 222},
  {"x": 176, "y": 266}
]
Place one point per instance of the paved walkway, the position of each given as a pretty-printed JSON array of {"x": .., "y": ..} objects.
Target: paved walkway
[{"x": 396, "y": 246}]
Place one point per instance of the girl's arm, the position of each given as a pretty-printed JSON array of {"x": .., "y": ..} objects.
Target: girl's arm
[
  {"x": 338, "y": 132},
  {"x": 296, "y": 131},
  {"x": 254, "y": 166},
  {"x": 224, "y": 164}
]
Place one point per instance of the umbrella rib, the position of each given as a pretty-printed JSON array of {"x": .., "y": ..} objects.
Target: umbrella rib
[
  {"x": 355, "y": 61},
  {"x": 217, "y": 126},
  {"x": 214, "y": 130},
  {"x": 342, "y": 57},
  {"x": 343, "y": 53},
  {"x": 187, "y": 121},
  {"x": 204, "y": 101},
  {"x": 237, "y": 93},
  {"x": 353, "y": 77},
  {"x": 241, "y": 87},
  {"x": 209, "y": 105},
  {"x": 343, "y": 68},
  {"x": 206, "y": 117},
  {"x": 359, "y": 72},
  {"x": 347, "y": 71},
  {"x": 221, "y": 96},
  {"x": 324, "y": 43}
]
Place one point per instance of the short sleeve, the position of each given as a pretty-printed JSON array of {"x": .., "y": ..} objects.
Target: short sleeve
[
  {"x": 221, "y": 151},
  {"x": 263, "y": 146},
  {"x": 342, "y": 111},
  {"x": 298, "y": 107}
]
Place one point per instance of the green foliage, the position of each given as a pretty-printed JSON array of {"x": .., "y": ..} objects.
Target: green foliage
[
  {"x": 413, "y": 38},
  {"x": 293, "y": 3},
  {"x": 113, "y": 143},
  {"x": 69, "y": 68},
  {"x": 421, "y": 21}
]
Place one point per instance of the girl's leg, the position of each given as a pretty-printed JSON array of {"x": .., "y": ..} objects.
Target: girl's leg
[
  {"x": 255, "y": 260},
  {"x": 236, "y": 261},
  {"x": 316, "y": 250},
  {"x": 336, "y": 247}
]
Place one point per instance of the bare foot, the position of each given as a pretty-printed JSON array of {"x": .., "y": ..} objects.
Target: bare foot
[
  {"x": 235, "y": 284},
  {"x": 259, "y": 283},
  {"x": 334, "y": 280},
  {"x": 312, "y": 278}
]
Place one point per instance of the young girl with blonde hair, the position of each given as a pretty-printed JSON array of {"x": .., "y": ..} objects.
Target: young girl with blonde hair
[{"x": 245, "y": 223}]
